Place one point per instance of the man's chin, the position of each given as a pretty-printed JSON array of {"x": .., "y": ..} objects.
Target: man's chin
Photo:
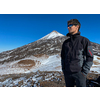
[{"x": 70, "y": 32}]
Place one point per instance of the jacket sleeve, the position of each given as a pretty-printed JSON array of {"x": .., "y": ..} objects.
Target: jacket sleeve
[
  {"x": 63, "y": 57},
  {"x": 88, "y": 52}
]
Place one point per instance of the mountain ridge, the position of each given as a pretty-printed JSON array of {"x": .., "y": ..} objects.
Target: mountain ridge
[
  {"x": 52, "y": 35},
  {"x": 41, "y": 46}
]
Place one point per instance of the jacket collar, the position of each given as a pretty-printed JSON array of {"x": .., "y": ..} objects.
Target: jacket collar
[{"x": 75, "y": 35}]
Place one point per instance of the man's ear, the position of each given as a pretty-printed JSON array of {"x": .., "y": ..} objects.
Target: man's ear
[{"x": 78, "y": 26}]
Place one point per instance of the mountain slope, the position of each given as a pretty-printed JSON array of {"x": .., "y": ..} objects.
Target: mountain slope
[
  {"x": 46, "y": 45},
  {"x": 43, "y": 54}
]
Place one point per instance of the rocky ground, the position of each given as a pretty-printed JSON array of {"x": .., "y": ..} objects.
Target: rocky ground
[{"x": 37, "y": 79}]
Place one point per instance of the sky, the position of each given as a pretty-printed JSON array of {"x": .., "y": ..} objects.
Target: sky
[{"x": 17, "y": 30}]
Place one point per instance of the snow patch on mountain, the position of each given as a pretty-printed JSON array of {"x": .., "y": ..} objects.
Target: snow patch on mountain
[
  {"x": 96, "y": 65},
  {"x": 52, "y": 35},
  {"x": 51, "y": 63}
]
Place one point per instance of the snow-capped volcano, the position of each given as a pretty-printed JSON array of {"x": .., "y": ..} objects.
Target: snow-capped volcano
[
  {"x": 33, "y": 56},
  {"x": 52, "y": 35}
]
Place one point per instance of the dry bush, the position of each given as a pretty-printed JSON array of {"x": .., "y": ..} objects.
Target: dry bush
[
  {"x": 52, "y": 84},
  {"x": 28, "y": 75},
  {"x": 20, "y": 82},
  {"x": 41, "y": 55},
  {"x": 96, "y": 62},
  {"x": 98, "y": 58},
  {"x": 15, "y": 77},
  {"x": 92, "y": 76},
  {"x": 26, "y": 62},
  {"x": 58, "y": 67},
  {"x": 93, "y": 66},
  {"x": 47, "y": 84}
]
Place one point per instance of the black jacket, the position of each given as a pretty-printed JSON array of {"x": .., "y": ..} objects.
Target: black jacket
[{"x": 76, "y": 54}]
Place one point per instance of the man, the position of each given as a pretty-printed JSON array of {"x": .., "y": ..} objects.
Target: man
[{"x": 76, "y": 56}]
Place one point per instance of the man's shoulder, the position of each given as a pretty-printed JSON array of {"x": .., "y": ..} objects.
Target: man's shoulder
[
  {"x": 84, "y": 38},
  {"x": 85, "y": 41}
]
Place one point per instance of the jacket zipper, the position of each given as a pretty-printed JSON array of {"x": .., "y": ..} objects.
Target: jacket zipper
[{"x": 71, "y": 54}]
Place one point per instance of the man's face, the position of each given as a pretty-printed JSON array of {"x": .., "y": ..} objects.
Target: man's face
[{"x": 73, "y": 28}]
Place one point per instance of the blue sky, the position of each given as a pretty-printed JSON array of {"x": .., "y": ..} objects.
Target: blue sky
[{"x": 20, "y": 29}]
